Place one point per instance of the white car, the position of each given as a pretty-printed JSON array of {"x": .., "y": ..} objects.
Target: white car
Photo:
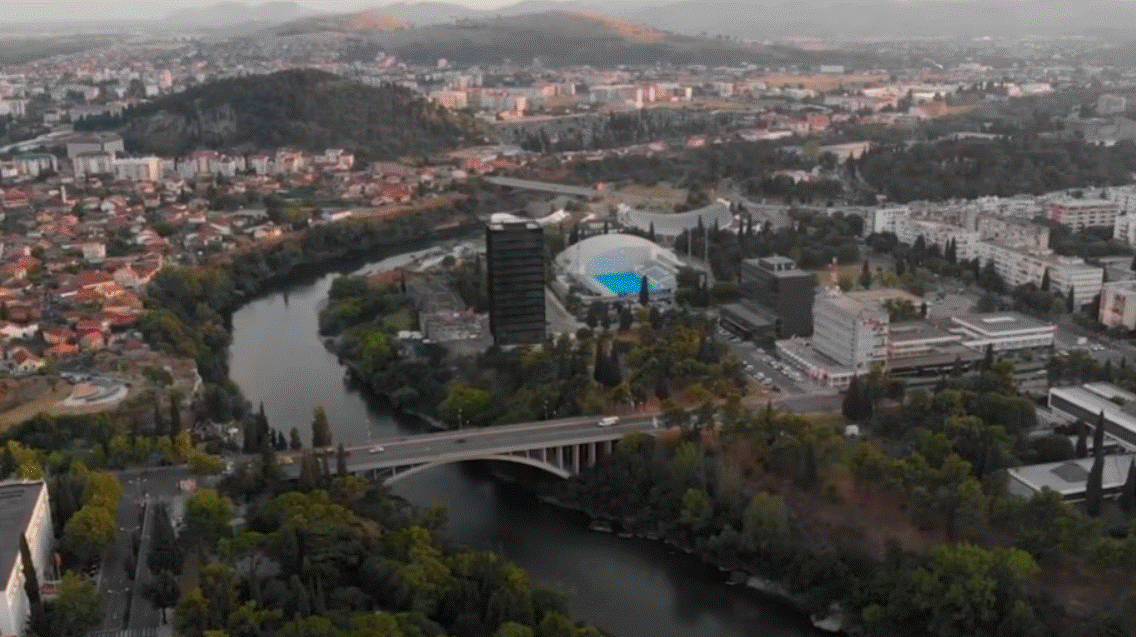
[{"x": 377, "y": 449}]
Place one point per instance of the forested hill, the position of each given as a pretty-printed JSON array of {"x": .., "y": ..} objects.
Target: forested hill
[{"x": 307, "y": 109}]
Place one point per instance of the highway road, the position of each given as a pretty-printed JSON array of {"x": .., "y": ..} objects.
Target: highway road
[{"x": 464, "y": 443}]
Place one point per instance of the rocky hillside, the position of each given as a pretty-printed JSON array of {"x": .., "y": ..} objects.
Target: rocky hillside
[{"x": 303, "y": 108}]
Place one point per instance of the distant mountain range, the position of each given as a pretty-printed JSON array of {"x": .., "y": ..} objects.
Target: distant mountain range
[
  {"x": 755, "y": 19},
  {"x": 556, "y": 38}
]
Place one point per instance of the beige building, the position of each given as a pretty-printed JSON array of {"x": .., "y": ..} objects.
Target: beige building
[{"x": 1118, "y": 305}]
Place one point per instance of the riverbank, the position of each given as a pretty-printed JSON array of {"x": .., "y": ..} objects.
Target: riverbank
[{"x": 833, "y": 623}]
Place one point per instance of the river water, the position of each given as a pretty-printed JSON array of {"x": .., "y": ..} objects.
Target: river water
[{"x": 631, "y": 588}]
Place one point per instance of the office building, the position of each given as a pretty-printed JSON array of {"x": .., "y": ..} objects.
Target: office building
[
  {"x": 1089, "y": 401},
  {"x": 1083, "y": 213},
  {"x": 851, "y": 333},
  {"x": 515, "y": 261},
  {"x": 1004, "y": 331},
  {"x": 24, "y": 511},
  {"x": 109, "y": 143},
  {"x": 138, "y": 168},
  {"x": 1118, "y": 305},
  {"x": 777, "y": 284}
]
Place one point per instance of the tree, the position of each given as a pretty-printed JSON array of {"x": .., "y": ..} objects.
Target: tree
[
  {"x": 340, "y": 461},
  {"x": 321, "y": 430},
  {"x": 207, "y": 517},
  {"x": 988, "y": 358},
  {"x": 88, "y": 533},
  {"x": 1128, "y": 493},
  {"x": 163, "y": 591},
  {"x": 1098, "y": 435},
  {"x": 294, "y": 441},
  {"x": 192, "y": 614},
  {"x": 31, "y": 587},
  {"x": 1094, "y": 491},
  {"x": 644, "y": 291},
  {"x": 1082, "y": 439},
  {"x": 1133, "y": 266},
  {"x": 165, "y": 552},
  {"x": 1071, "y": 305},
  {"x": 866, "y": 276},
  {"x": 75, "y": 609},
  {"x": 175, "y": 414},
  {"x": 1045, "y": 281},
  {"x": 856, "y": 405}
]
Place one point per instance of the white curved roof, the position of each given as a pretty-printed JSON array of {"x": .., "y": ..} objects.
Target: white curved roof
[
  {"x": 612, "y": 253},
  {"x": 673, "y": 224}
]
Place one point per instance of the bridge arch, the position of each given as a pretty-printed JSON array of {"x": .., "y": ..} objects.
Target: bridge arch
[{"x": 559, "y": 472}]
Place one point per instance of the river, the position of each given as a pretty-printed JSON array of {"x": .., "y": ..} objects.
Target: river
[{"x": 631, "y": 588}]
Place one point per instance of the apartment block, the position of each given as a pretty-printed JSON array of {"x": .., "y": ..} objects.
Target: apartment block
[
  {"x": 138, "y": 168},
  {"x": 1118, "y": 304},
  {"x": 1018, "y": 267},
  {"x": 1083, "y": 213}
]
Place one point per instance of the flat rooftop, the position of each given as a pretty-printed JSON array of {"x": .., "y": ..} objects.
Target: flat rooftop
[
  {"x": 1000, "y": 322},
  {"x": 879, "y": 295},
  {"x": 17, "y": 502},
  {"x": 918, "y": 331},
  {"x": 1069, "y": 477}
]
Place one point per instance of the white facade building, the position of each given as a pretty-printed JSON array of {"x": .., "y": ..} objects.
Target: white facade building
[
  {"x": 909, "y": 230},
  {"x": 1018, "y": 267},
  {"x": 138, "y": 168},
  {"x": 1083, "y": 213},
  {"x": 25, "y": 511},
  {"x": 1118, "y": 304},
  {"x": 851, "y": 333},
  {"x": 1004, "y": 331},
  {"x": 87, "y": 164}
]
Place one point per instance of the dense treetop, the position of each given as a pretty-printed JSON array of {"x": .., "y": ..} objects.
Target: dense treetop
[{"x": 305, "y": 108}]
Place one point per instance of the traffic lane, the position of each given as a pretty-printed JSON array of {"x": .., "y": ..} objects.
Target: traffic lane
[
  {"x": 507, "y": 431},
  {"x": 474, "y": 444}
]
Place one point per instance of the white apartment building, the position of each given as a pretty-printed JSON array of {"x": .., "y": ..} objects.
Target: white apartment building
[
  {"x": 1013, "y": 232},
  {"x": 1125, "y": 229},
  {"x": 1083, "y": 213},
  {"x": 883, "y": 219},
  {"x": 851, "y": 333},
  {"x": 908, "y": 230},
  {"x": 25, "y": 511},
  {"x": 1004, "y": 331},
  {"x": 1118, "y": 304},
  {"x": 138, "y": 168},
  {"x": 1018, "y": 267},
  {"x": 1124, "y": 197},
  {"x": 87, "y": 164}
]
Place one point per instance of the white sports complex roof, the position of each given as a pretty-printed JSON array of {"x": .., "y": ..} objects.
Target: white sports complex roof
[{"x": 671, "y": 225}]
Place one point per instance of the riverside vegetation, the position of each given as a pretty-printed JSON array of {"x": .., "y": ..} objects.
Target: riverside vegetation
[
  {"x": 912, "y": 533},
  {"x": 633, "y": 357}
]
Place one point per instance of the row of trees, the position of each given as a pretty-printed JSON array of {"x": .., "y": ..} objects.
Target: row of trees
[{"x": 344, "y": 558}]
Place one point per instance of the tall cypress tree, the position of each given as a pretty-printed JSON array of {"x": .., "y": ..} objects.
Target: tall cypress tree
[
  {"x": 1128, "y": 493},
  {"x": 644, "y": 291},
  {"x": 1082, "y": 439},
  {"x": 1098, "y": 436},
  {"x": 1045, "y": 281},
  {"x": 1094, "y": 491}
]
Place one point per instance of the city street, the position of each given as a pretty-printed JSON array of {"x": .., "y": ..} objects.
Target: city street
[{"x": 115, "y": 586}]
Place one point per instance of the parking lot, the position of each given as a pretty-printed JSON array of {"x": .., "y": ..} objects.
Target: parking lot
[{"x": 770, "y": 373}]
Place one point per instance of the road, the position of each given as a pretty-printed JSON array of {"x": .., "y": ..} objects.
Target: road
[
  {"x": 465, "y": 443},
  {"x": 115, "y": 583}
]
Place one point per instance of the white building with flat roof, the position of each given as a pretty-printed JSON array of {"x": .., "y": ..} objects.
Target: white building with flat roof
[
  {"x": 1069, "y": 478},
  {"x": 1004, "y": 331},
  {"x": 1083, "y": 213},
  {"x": 1089, "y": 401},
  {"x": 1118, "y": 304},
  {"x": 24, "y": 511},
  {"x": 851, "y": 333},
  {"x": 1018, "y": 267}
]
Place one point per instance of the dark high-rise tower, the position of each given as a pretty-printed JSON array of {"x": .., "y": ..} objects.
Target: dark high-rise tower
[{"x": 515, "y": 256}]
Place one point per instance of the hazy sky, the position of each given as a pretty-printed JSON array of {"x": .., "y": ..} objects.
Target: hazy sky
[{"x": 44, "y": 10}]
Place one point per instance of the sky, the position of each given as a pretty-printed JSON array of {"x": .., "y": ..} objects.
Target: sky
[{"x": 62, "y": 10}]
